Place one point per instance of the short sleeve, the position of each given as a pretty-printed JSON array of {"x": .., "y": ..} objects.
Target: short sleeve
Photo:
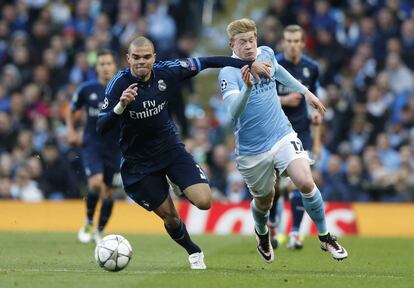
[
  {"x": 228, "y": 81},
  {"x": 78, "y": 98}
]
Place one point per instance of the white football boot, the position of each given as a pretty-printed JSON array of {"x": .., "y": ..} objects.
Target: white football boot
[
  {"x": 197, "y": 261},
  {"x": 294, "y": 241},
  {"x": 264, "y": 247},
  {"x": 85, "y": 233},
  {"x": 329, "y": 244}
]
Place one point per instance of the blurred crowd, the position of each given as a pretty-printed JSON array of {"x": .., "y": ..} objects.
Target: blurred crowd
[{"x": 365, "y": 50}]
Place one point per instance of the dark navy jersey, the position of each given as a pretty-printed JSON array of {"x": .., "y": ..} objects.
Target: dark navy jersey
[
  {"x": 148, "y": 135},
  {"x": 149, "y": 138},
  {"x": 306, "y": 72},
  {"x": 90, "y": 95}
]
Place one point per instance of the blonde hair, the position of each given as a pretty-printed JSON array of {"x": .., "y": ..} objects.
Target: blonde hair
[{"x": 241, "y": 26}]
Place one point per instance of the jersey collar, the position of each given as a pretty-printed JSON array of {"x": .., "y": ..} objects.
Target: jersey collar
[{"x": 141, "y": 84}]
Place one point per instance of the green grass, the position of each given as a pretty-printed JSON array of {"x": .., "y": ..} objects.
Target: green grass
[{"x": 58, "y": 260}]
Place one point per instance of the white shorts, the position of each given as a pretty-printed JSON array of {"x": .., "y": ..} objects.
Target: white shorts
[{"x": 259, "y": 171}]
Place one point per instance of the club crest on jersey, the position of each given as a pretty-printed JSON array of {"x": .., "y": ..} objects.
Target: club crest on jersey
[
  {"x": 306, "y": 72},
  {"x": 105, "y": 103},
  {"x": 161, "y": 85},
  {"x": 223, "y": 84}
]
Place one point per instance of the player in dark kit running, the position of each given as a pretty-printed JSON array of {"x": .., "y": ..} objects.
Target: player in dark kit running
[
  {"x": 101, "y": 155},
  {"x": 136, "y": 101},
  {"x": 294, "y": 105}
]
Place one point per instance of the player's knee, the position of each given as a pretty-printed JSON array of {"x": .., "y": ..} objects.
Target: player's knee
[
  {"x": 306, "y": 186},
  {"x": 94, "y": 186},
  {"x": 203, "y": 202},
  {"x": 264, "y": 206},
  {"x": 95, "y": 183}
]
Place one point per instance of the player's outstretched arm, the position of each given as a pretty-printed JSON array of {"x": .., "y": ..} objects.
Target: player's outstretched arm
[
  {"x": 283, "y": 76},
  {"x": 257, "y": 68}
]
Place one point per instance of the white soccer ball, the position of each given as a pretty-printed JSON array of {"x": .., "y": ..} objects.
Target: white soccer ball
[{"x": 113, "y": 253}]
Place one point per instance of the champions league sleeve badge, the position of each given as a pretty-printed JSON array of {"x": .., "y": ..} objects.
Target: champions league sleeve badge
[
  {"x": 161, "y": 85},
  {"x": 223, "y": 84},
  {"x": 105, "y": 103},
  {"x": 184, "y": 63}
]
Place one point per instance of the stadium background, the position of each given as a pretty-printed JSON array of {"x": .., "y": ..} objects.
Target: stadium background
[{"x": 365, "y": 51}]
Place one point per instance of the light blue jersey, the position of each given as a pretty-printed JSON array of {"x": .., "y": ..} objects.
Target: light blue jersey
[{"x": 260, "y": 122}]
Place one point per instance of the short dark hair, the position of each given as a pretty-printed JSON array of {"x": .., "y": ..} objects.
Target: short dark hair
[
  {"x": 294, "y": 28},
  {"x": 103, "y": 52},
  {"x": 141, "y": 41}
]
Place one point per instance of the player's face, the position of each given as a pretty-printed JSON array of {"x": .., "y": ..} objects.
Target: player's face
[
  {"x": 245, "y": 45},
  {"x": 105, "y": 67},
  {"x": 293, "y": 44},
  {"x": 141, "y": 59}
]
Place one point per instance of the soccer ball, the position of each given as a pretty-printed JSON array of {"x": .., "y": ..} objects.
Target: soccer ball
[{"x": 113, "y": 253}]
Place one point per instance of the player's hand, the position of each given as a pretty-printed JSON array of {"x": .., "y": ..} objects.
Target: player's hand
[
  {"x": 291, "y": 100},
  {"x": 315, "y": 102},
  {"x": 316, "y": 118},
  {"x": 73, "y": 138},
  {"x": 129, "y": 94},
  {"x": 261, "y": 69},
  {"x": 246, "y": 76}
]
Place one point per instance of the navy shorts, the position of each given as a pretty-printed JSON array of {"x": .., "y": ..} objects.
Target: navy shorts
[
  {"x": 96, "y": 162},
  {"x": 152, "y": 190}
]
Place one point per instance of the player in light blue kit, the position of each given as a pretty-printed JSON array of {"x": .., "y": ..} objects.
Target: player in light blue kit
[{"x": 265, "y": 139}]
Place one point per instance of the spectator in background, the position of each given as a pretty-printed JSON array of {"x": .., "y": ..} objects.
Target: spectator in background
[
  {"x": 236, "y": 190},
  {"x": 322, "y": 18},
  {"x": 24, "y": 187},
  {"x": 400, "y": 76},
  {"x": 271, "y": 31},
  {"x": 359, "y": 134},
  {"x": 81, "y": 71},
  {"x": 377, "y": 109},
  {"x": 161, "y": 28},
  {"x": 6, "y": 165},
  {"x": 55, "y": 178},
  {"x": 282, "y": 10},
  {"x": 357, "y": 180},
  {"x": 5, "y": 188},
  {"x": 18, "y": 117},
  {"x": 218, "y": 162},
  {"x": 10, "y": 78},
  {"x": 388, "y": 156},
  {"x": 8, "y": 136},
  {"x": 334, "y": 181},
  {"x": 407, "y": 41}
]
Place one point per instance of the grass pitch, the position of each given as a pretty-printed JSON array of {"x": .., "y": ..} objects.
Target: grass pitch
[{"x": 58, "y": 260}]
